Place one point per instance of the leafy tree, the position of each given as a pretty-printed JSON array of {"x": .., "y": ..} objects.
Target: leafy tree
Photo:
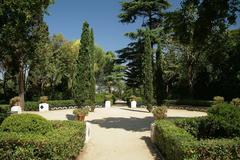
[
  {"x": 83, "y": 76},
  {"x": 92, "y": 60},
  {"x": 147, "y": 70},
  {"x": 159, "y": 75},
  {"x": 21, "y": 28}
]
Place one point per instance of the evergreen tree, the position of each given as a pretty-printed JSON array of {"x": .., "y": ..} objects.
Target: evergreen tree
[
  {"x": 147, "y": 71},
  {"x": 159, "y": 76},
  {"x": 92, "y": 76},
  {"x": 83, "y": 76}
]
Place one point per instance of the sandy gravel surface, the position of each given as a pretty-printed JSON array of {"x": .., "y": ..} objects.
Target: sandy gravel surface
[{"x": 119, "y": 133}]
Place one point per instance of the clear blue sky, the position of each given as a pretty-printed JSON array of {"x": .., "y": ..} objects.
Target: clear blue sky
[{"x": 67, "y": 16}]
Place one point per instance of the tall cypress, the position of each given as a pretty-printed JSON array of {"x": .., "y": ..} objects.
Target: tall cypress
[
  {"x": 147, "y": 70},
  {"x": 83, "y": 76},
  {"x": 159, "y": 76},
  {"x": 92, "y": 74}
]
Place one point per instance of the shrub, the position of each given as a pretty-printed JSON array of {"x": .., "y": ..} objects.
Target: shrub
[
  {"x": 149, "y": 108},
  {"x": 236, "y": 102},
  {"x": 4, "y": 112},
  {"x": 132, "y": 98},
  {"x": 62, "y": 143},
  {"x": 160, "y": 112},
  {"x": 100, "y": 98},
  {"x": 43, "y": 99},
  {"x": 224, "y": 120},
  {"x": 15, "y": 101},
  {"x": 26, "y": 123},
  {"x": 108, "y": 97},
  {"x": 218, "y": 100},
  {"x": 81, "y": 111},
  {"x": 177, "y": 144}
]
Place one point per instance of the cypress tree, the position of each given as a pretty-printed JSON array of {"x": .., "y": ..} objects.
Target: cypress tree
[
  {"x": 147, "y": 71},
  {"x": 159, "y": 76},
  {"x": 92, "y": 74},
  {"x": 83, "y": 76}
]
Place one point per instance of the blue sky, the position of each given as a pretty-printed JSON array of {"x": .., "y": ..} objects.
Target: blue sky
[{"x": 67, "y": 17}]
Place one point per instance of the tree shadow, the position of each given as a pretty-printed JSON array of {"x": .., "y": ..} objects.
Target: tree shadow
[
  {"x": 130, "y": 124},
  {"x": 70, "y": 117},
  {"x": 134, "y": 110},
  {"x": 152, "y": 148}
]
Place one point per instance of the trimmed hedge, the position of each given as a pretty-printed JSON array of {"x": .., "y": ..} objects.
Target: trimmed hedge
[
  {"x": 196, "y": 103},
  {"x": 26, "y": 123},
  {"x": 4, "y": 112},
  {"x": 177, "y": 144},
  {"x": 64, "y": 142}
]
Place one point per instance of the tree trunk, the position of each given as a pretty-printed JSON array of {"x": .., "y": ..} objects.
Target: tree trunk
[
  {"x": 190, "y": 79},
  {"x": 21, "y": 83}
]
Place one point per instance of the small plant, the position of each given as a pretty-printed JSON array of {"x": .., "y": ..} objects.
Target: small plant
[
  {"x": 160, "y": 112},
  {"x": 81, "y": 113},
  {"x": 92, "y": 108},
  {"x": 15, "y": 101},
  {"x": 149, "y": 108},
  {"x": 132, "y": 98},
  {"x": 236, "y": 102},
  {"x": 218, "y": 100},
  {"x": 43, "y": 99},
  {"x": 108, "y": 97}
]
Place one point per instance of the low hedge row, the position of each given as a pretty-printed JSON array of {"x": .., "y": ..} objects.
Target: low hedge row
[
  {"x": 196, "y": 103},
  {"x": 177, "y": 144},
  {"x": 62, "y": 143}
]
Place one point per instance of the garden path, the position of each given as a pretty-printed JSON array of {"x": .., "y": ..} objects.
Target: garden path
[{"x": 119, "y": 133}]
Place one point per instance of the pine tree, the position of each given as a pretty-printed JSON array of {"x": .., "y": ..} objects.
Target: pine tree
[
  {"x": 147, "y": 70},
  {"x": 83, "y": 77},
  {"x": 92, "y": 76},
  {"x": 159, "y": 76}
]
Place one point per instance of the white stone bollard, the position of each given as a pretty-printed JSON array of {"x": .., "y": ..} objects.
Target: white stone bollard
[
  {"x": 16, "y": 109},
  {"x": 88, "y": 132},
  {"x": 107, "y": 104},
  {"x": 133, "y": 104},
  {"x": 153, "y": 125},
  {"x": 43, "y": 107}
]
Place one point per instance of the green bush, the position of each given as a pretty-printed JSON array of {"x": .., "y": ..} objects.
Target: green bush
[
  {"x": 100, "y": 98},
  {"x": 64, "y": 142},
  {"x": 196, "y": 103},
  {"x": 176, "y": 143},
  {"x": 26, "y": 123},
  {"x": 4, "y": 112},
  {"x": 160, "y": 112}
]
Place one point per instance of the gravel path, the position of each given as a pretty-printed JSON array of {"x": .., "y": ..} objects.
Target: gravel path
[{"x": 119, "y": 133}]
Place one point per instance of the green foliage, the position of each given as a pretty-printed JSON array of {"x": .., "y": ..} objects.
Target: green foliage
[
  {"x": 177, "y": 144},
  {"x": 15, "y": 101},
  {"x": 147, "y": 71},
  {"x": 100, "y": 98},
  {"x": 109, "y": 97},
  {"x": 218, "y": 100},
  {"x": 160, "y": 112},
  {"x": 159, "y": 76},
  {"x": 4, "y": 112},
  {"x": 85, "y": 80},
  {"x": 63, "y": 143},
  {"x": 26, "y": 123},
  {"x": 43, "y": 99},
  {"x": 81, "y": 111}
]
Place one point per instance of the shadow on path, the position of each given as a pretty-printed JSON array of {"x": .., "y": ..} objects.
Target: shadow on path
[
  {"x": 133, "y": 110},
  {"x": 130, "y": 124},
  {"x": 152, "y": 148}
]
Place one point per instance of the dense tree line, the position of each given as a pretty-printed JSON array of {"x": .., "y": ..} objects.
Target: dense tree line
[{"x": 194, "y": 51}]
